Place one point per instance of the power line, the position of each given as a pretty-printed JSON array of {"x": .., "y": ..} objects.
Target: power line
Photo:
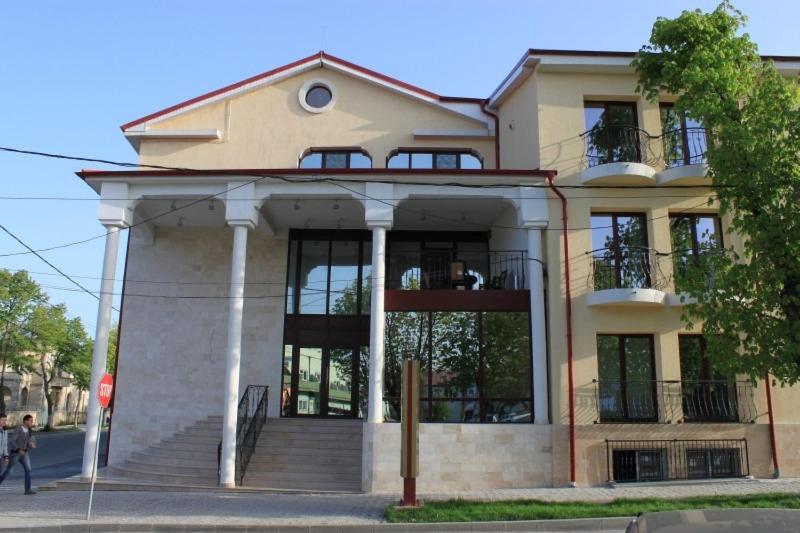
[{"x": 51, "y": 265}]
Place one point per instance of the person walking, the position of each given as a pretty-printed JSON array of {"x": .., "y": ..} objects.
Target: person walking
[
  {"x": 19, "y": 445},
  {"x": 3, "y": 443}
]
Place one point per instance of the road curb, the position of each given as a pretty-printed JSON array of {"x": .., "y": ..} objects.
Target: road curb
[{"x": 582, "y": 524}]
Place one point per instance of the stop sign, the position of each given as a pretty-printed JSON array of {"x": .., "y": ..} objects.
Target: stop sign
[{"x": 104, "y": 390}]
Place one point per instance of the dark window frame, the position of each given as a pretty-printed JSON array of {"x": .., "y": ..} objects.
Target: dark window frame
[
  {"x": 693, "y": 218},
  {"x": 433, "y": 152},
  {"x": 622, "y": 381},
  {"x": 325, "y": 152},
  {"x": 617, "y": 248},
  {"x": 605, "y": 105},
  {"x": 483, "y": 401},
  {"x": 686, "y": 147}
]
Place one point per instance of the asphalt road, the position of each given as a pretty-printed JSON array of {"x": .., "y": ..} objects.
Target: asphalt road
[{"x": 58, "y": 455}]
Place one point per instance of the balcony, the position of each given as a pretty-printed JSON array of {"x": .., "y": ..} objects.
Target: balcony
[
  {"x": 684, "y": 157},
  {"x": 648, "y": 401},
  {"x": 618, "y": 155},
  {"x": 626, "y": 275},
  {"x": 446, "y": 269}
]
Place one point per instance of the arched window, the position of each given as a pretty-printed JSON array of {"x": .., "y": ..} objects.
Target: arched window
[
  {"x": 445, "y": 159},
  {"x": 336, "y": 158},
  {"x": 23, "y": 397}
]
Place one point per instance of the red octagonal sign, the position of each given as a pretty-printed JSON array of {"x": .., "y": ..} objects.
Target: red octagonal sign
[{"x": 104, "y": 390}]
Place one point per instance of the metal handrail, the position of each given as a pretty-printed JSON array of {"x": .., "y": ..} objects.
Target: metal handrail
[
  {"x": 251, "y": 417},
  {"x": 624, "y": 267},
  {"x": 617, "y": 143},
  {"x": 684, "y": 146},
  {"x": 448, "y": 269}
]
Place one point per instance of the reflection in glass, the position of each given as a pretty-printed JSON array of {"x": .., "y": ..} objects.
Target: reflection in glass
[
  {"x": 506, "y": 355},
  {"x": 470, "y": 162},
  {"x": 421, "y": 160},
  {"x": 363, "y": 381},
  {"x": 359, "y": 160},
  {"x": 626, "y": 386},
  {"x": 366, "y": 278},
  {"x": 336, "y": 160},
  {"x": 344, "y": 278},
  {"x": 313, "y": 277},
  {"x": 398, "y": 161},
  {"x": 446, "y": 161},
  {"x": 340, "y": 382},
  {"x": 310, "y": 377},
  {"x": 454, "y": 361},
  {"x": 312, "y": 160},
  {"x": 291, "y": 284},
  {"x": 286, "y": 381}
]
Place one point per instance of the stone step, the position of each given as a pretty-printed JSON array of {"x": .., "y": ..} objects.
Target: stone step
[
  {"x": 315, "y": 422},
  {"x": 190, "y": 454},
  {"x": 158, "y": 468},
  {"x": 173, "y": 460},
  {"x": 327, "y": 486},
  {"x": 301, "y": 477},
  {"x": 206, "y": 440},
  {"x": 288, "y": 438},
  {"x": 320, "y": 428},
  {"x": 306, "y": 448},
  {"x": 187, "y": 444},
  {"x": 353, "y": 470},
  {"x": 282, "y": 461},
  {"x": 165, "y": 478},
  {"x": 206, "y": 432}
]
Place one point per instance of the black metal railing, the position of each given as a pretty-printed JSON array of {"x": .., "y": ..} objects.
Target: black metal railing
[
  {"x": 672, "y": 401},
  {"x": 251, "y": 417},
  {"x": 634, "y": 401},
  {"x": 445, "y": 269},
  {"x": 626, "y": 267},
  {"x": 663, "y": 460},
  {"x": 717, "y": 401},
  {"x": 684, "y": 146},
  {"x": 618, "y": 143},
  {"x": 686, "y": 263}
]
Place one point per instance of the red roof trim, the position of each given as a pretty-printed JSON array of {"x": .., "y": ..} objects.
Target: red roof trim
[
  {"x": 88, "y": 173},
  {"x": 217, "y": 92},
  {"x": 320, "y": 56}
]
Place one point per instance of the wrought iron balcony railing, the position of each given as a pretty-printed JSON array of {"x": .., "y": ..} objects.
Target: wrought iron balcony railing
[
  {"x": 684, "y": 146},
  {"x": 618, "y": 143},
  {"x": 626, "y": 267},
  {"x": 434, "y": 269},
  {"x": 717, "y": 401},
  {"x": 647, "y": 401},
  {"x": 662, "y": 460}
]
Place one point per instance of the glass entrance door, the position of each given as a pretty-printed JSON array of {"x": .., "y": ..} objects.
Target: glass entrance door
[{"x": 323, "y": 381}]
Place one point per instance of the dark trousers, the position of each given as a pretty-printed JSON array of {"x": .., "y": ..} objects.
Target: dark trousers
[{"x": 25, "y": 461}]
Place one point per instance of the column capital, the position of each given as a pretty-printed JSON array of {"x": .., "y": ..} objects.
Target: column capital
[
  {"x": 249, "y": 224},
  {"x": 241, "y": 208},
  {"x": 384, "y": 224},
  {"x": 115, "y": 208}
]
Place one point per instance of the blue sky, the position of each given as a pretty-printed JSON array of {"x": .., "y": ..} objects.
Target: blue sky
[{"x": 73, "y": 72}]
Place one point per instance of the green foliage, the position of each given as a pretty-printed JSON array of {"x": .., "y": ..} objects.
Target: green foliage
[
  {"x": 468, "y": 511},
  {"x": 748, "y": 302}
]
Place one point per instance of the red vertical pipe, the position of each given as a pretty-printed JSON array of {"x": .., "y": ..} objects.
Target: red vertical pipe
[
  {"x": 496, "y": 132},
  {"x": 571, "y": 383},
  {"x": 777, "y": 472}
]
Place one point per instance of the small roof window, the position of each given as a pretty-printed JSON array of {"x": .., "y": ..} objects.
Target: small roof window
[{"x": 317, "y": 96}]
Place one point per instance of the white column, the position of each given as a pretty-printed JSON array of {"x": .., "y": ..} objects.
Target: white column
[
  {"x": 541, "y": 406},
  {"x": 376, "y": 325},
  {"x": 100, "y": 347},
  {"x": 232, "y": 357}
]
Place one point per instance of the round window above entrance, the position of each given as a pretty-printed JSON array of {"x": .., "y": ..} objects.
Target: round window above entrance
[{"x": 317, "y": 96}]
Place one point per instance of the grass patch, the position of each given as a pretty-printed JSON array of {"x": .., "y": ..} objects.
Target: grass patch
[{"x": 475, "y": 511}]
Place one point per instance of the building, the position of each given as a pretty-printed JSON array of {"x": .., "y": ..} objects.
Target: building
[
  {"x": 23, "y": 393},
  {"x": 308, "y": 228}
]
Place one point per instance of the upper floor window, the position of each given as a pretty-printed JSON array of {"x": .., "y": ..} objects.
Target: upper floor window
[
  {"x": 612, "y": 134},
  {"x": 335, "y": 158},
  {"x": 438, "y": 159},
  {"x": 693, "y": 235},
  {"x": 684, "y": 138},
  {"x": 620, "y": 256}
]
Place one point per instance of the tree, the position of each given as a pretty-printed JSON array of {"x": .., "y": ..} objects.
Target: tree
[
  {"x": 750, "y": 305},
  {"x": 54, "y": 344},
  {"x": 18, "y": 296}
]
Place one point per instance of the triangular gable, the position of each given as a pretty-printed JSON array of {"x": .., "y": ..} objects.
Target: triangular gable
[{"x": 467, "y": 107}]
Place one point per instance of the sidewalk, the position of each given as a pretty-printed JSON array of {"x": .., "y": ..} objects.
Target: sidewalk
[{"x": 190, "y": 511}]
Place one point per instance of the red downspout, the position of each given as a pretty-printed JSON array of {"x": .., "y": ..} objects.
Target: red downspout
[
  {"x": 777, "y": 473},
  {"x": 571, "y": 384},
  {"x": 119, "y": 337},
  {"x": 496, "y": 132}
]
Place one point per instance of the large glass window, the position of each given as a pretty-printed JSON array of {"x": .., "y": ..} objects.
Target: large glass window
[
  {"x": 707, "y": 394},
  {"x": 627, "y": 387},
  {"x": 693, "y": 235},
  {"x": 620, "y": 256},
  {"x": 438, "y": 159},
  {"x": 475, "y": 366},
  {"x": 328, "y": 273},
  {"x": 336, "y": 159},
  {"x": 611, "y": 133},
  {"x": 684, "y": 138}
]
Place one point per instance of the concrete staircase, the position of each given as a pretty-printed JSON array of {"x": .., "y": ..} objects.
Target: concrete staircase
[
  {"x": 188, "y": 457},
  {"x": 291, "y": 453},
  {"x": 307, "y": 454}
]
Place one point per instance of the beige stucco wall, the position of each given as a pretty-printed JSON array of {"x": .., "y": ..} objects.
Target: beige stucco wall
[
  {"x": 553, "y": 104},
  {"x": 267, "y": 127},
  {"x": 172, "y": 350},
  {"x": 461, "y": 457}
]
